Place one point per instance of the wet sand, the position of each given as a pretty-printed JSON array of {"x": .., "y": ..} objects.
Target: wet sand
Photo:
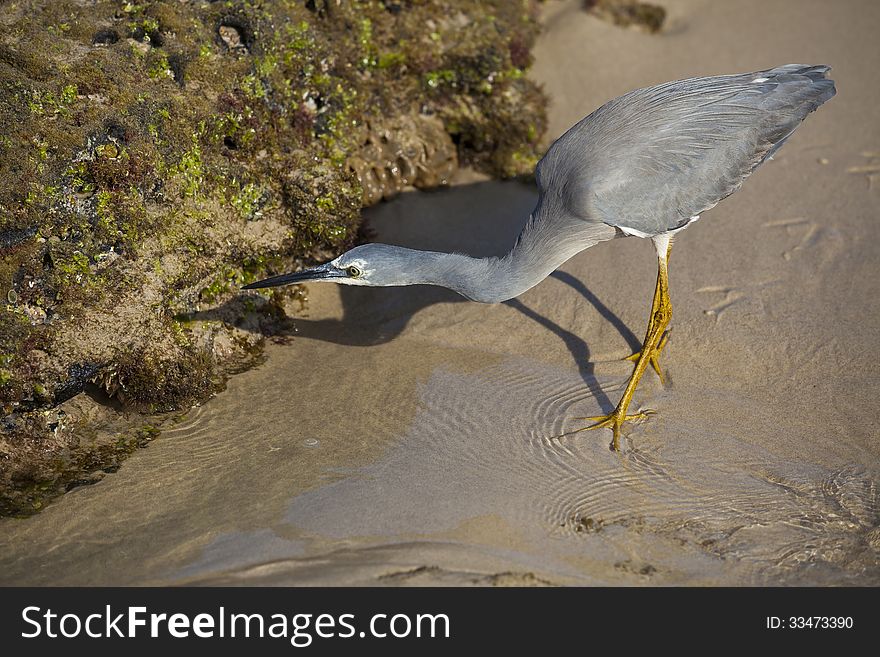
[{"x": 408, "y": 437}]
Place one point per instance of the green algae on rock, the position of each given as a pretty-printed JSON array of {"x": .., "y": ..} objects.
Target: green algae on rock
[{"x": 156, "y": 155}]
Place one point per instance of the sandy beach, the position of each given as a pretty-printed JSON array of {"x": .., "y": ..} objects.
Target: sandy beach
[{"x": 405, "y": 436}]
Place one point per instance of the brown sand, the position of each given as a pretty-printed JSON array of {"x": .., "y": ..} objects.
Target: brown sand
[{"x": 406, "y": 436}]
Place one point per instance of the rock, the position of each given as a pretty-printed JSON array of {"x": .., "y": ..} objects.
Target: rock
[
  {"x": 157, "y": 155},
  {"x": 628, "y": 13}
]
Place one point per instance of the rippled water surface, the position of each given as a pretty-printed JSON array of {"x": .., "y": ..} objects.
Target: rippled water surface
[
  {"x": 481, "y": 476},
  {"x": 407, "y": 437}
]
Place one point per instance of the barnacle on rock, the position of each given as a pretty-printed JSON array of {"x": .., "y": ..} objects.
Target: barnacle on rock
[{"x": 405, "y": 151}]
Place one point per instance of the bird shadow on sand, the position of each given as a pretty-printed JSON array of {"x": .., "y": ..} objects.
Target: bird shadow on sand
[{"x": 480, "y": 219}]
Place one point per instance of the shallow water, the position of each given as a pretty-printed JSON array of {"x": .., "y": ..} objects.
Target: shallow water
[
  {"x": 480, "y": 476},
  {"x": 407, "y": 437}
]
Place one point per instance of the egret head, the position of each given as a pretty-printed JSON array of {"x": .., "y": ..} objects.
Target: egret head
[{"x": 371, "y": 264}]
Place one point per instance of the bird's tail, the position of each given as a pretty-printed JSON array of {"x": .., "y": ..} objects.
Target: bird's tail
[
  {"x": 821, "y": 88},
  {"x": 793, "y": 91}
]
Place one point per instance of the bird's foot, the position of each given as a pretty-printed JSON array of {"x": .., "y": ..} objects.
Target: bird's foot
[
  {"x": 653, "y": 358},
  {"x": 613, "y": 421}
]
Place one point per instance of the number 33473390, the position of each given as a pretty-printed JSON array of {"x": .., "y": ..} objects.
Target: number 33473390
[{"x": 810, "y": 622}]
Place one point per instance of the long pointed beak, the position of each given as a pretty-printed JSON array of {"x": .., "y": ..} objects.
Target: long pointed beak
[{"x": 319, "y": 273}]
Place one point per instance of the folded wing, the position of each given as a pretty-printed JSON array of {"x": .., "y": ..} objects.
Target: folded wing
[{"x": 649, "y": 161}]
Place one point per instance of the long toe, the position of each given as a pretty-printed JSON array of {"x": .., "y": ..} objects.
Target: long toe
[
  {"x": 613, "y": 421},
  {"x": 604, "y": 421},
  {"x": 654, "y": 358}
]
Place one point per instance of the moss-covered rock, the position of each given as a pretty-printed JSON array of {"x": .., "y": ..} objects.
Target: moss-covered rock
[{"x": 156, "y": 155}]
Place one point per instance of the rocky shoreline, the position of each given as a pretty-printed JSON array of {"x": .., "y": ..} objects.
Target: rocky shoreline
[{"x": 157, "y": 155}]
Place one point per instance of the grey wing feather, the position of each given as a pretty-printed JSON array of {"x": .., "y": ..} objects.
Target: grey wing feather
[{"x": 649, "y": 161}]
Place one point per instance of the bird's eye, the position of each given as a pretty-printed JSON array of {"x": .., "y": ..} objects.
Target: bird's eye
[{"x": 354, "y": 271}]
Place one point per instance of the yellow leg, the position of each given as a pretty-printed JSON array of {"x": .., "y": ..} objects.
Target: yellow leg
[
  {"x": 661, "y": 314},
  {"x": 654, "y": 356}
]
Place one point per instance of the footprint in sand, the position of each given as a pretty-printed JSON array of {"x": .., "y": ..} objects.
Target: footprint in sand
[
  {"x": 871, "y": 170},
  {"x": 731, "y": 296},
  {"x": 823, "y": 243},
  {"x": 807, "y": 230}
]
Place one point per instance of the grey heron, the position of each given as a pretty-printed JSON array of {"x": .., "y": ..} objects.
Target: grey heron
[{"x": 646, "y": 164}]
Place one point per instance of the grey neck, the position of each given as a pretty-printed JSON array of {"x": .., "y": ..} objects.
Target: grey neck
[{"x": 540, "y": 249}]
